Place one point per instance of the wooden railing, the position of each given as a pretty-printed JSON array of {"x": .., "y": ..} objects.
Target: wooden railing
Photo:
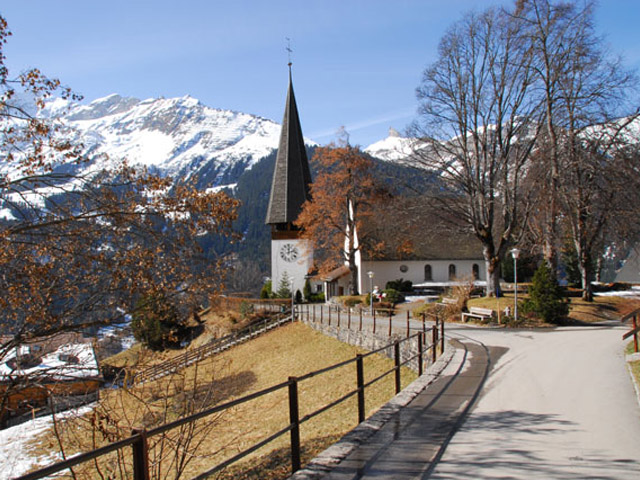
[
  {"x": 633, "y": 316},
  {"x": 139, "y": 440},
  {"x": 215, "y": 346}
]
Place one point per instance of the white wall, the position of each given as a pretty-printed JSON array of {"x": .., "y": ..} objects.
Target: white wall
[
  {"x": 385, "y": 271},
  {"x": 296, "y": 269}
]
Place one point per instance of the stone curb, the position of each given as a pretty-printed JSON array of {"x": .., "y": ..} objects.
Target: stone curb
[{"x": 326, "y": 460}]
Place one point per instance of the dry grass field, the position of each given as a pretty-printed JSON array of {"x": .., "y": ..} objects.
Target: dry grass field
[
  {"x": 292, "y": 350},
  {"x": 601, "y": 309}
]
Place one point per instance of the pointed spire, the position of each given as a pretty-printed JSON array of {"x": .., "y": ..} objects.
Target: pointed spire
[{"x": 291, "y": 175}]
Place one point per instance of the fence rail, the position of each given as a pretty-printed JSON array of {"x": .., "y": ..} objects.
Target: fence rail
[
  {"x": 215, "y": 346},
  {"x": 138, "y": 441},
  {"x": 633, "y": 316}
]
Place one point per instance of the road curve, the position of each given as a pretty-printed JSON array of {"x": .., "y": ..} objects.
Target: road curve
[
  {"x": 558, "y": 404},
  {"x": 516, "y": 404}
]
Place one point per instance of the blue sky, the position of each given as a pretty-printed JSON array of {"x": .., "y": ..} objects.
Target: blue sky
[{"x": 356, "y": 63}]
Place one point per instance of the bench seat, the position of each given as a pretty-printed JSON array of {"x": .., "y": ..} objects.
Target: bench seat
[{"x": 477, "y": 312}]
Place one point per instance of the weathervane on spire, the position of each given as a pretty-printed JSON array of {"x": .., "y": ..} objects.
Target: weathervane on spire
[{"x": 289, "y": 51}]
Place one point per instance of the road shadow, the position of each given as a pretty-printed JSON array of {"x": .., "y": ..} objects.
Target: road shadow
[{"x": 515, "y": 444}]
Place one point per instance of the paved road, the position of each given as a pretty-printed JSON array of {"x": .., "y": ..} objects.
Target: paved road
[
  {"x": 558, "y": 404},
  {"x": 553, "y": 404}
]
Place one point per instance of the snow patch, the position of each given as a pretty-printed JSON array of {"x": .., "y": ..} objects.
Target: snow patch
[{"x": 16, "y": 450}]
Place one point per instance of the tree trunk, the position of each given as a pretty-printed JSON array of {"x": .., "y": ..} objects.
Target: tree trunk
[
  {"x": 585, "y": 277},
  {"x": 492, "y": 266}
]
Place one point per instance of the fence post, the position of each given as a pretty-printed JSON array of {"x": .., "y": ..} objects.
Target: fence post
[
  {"x": 349, "y": 318},
  {"x": 434, "y": 343},
  {"x": 360, "y": 380},
  {"x": 360, "y": 327},
  {"x": 140, "y": 456},
  {"x": 321, "y": 313},
  {"x": 338, "y": 317},
  {"x": 441, "y": 336},
  {"x": 294, "y": 420},
  {"x": 329, "y": 308},
  {"x": 407, "y": 323},
  {"x": 374, "y": 321},
  {"x": 390, "y": 317},
  {"x": 420, "y": 354},
  {"x": 396, "y": 358}
]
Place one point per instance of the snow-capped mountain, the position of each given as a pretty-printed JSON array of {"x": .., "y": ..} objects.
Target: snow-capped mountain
[
  {"x": 394, "y": 148},
  {"x": 179, "y": 137}
]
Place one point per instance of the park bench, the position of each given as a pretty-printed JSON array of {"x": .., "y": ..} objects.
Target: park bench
[
  {"x": 446, "y": 301},
  {"x": 477, "y": 312}
]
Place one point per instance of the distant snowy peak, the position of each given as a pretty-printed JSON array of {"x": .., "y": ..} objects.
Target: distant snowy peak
[
  {"x": 394, "y": 148},
  {"x": 180, "y": 137}
]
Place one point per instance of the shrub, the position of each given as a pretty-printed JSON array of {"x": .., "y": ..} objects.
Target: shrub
[
  {"x": 266, "y": 291},
  {"x": 306, "y": 290},
  {"x": 317, "y": 297},
  {"x": 246, "y": 309},
  {"x": 298, "y": 296},
  {"x": 392, "y": 296},
  {"x": 156, "y": 324},
  {"x": 351, "y": 301},
  {"x": 399, "y": 285},
  {"x": 367, "y": 299},
  {"x": 545, "y": 297}
]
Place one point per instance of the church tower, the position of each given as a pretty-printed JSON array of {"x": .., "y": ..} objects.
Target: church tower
[{"x": 291, "y": 256}]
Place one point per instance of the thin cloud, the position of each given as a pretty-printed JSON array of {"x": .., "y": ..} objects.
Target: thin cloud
[{"x": 367, "y": 123}]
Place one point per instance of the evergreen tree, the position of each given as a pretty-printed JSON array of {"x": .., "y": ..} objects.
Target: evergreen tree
[
  {"x": 284, "y": 287},
  {"x": 306, "y": 290},
  {"x": 545, "y": 296}
]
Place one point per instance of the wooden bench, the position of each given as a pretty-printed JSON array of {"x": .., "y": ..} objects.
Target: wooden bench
[
  {"x": 447, "y": 301},
  {"x": 477, "y": 312}
]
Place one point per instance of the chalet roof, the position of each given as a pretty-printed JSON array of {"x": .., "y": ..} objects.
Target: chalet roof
[{"x": 291, "y": 175}]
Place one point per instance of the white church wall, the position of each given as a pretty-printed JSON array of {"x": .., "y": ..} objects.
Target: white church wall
[{"x": 414, "y": 270}]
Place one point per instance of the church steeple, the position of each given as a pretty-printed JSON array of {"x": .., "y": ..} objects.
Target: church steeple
[{"x": 291, "y": 175}]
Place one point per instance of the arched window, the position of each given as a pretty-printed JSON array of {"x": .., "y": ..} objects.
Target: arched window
[
  {"x": 428, "y": 274},
  {"x": 452, "y": 271},
  {"x": 475, "y": 271}
]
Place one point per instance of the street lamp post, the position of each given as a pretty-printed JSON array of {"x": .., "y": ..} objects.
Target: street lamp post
[
  {"x": 370, "y": 273},
  {"x": 515, "y": 253}
]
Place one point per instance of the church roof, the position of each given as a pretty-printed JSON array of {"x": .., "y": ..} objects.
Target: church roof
[
  {"x": 291, "y": 175},
  {"x": 407, "y": 229}
]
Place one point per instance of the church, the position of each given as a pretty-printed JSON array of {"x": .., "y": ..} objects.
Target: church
[
  {"x": 440, "y": 257},
  {"x": 291, "y": 255}
]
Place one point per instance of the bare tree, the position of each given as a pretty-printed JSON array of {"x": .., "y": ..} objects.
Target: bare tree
[
  {"x": 478, "y": 125},
  {"x": 580, "y": 84},
  {"x": 584, "y": 89},
  {"x": 81, "y": 245}
]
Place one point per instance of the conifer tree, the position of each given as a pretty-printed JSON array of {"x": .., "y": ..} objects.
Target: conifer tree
[{"x": 546, "y": 298}]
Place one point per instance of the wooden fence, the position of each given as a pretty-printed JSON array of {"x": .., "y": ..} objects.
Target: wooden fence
[
  {"x": 139, "y": 440},
  {"x": 633, "y": 316},
  {"x": 215, "y": 346}
]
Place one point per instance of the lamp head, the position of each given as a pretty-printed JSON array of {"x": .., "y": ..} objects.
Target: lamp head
[{"x": 515, "y": 253}]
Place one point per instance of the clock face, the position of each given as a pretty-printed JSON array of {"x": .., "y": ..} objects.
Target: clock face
[{"x": 289, "y": 252}]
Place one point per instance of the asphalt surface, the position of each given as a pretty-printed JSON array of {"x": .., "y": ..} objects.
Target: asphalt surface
[{"x": 556, "y": 404}]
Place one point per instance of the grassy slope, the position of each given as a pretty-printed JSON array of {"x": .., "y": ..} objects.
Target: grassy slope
[{"x": 289, "y": 351}]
